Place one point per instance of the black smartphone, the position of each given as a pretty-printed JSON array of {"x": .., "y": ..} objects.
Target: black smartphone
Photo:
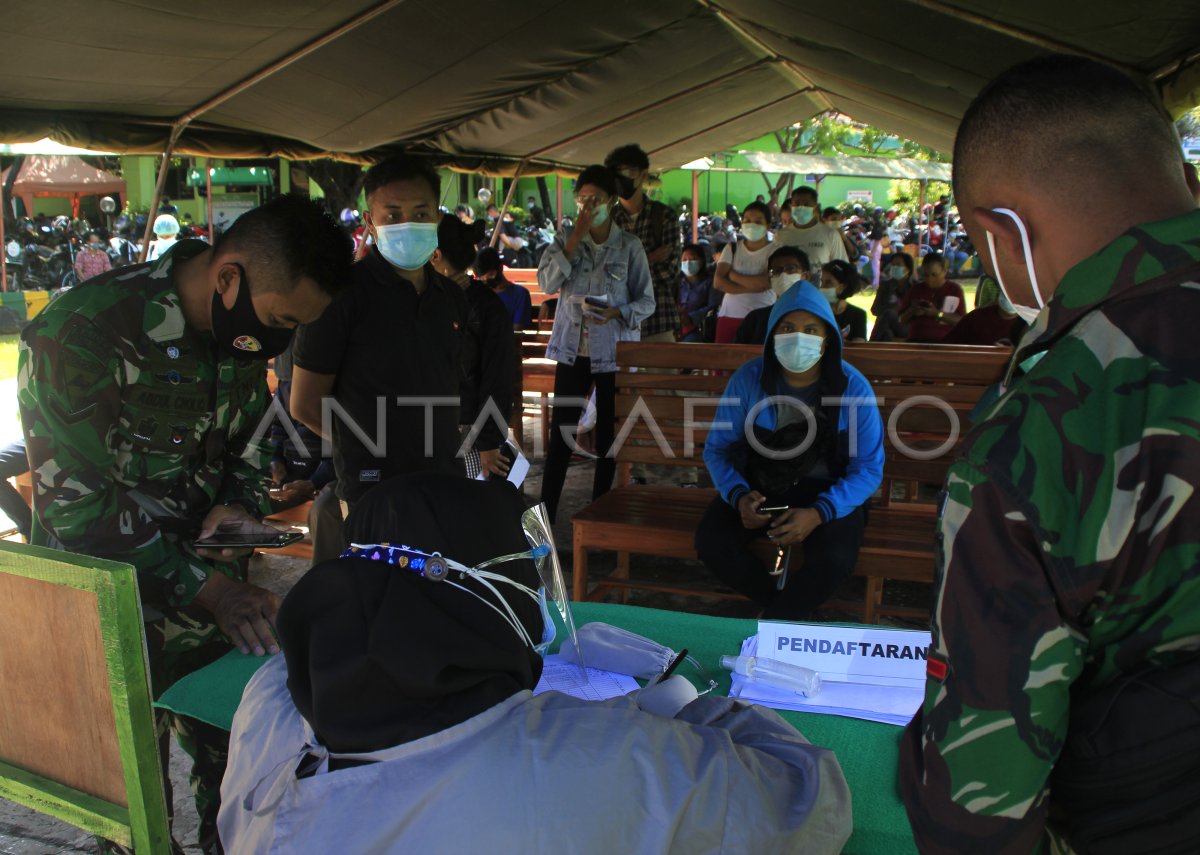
[
  {"x": 508, "y": 451},
  {"x": 600, "y": 300},
  {"x": 249, "y": 541}
]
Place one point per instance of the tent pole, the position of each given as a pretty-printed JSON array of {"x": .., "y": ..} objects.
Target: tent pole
[
  {"x": 695, "y": 206},
  {"x": 558, "y": 190},
  {"x": 512, "y": 188},
  {"x": 159, "y": 186},
  {"x": 920, "y": 214},
  {"x": 208, "y": 198},
  {"x": 5, "y": 210},
  {"x": 995, "y": 26}
]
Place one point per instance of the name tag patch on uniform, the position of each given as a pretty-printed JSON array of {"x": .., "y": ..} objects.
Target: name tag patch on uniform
[
  {"x": 936, "y": 669},
  {"x": 369, "y": 475}
]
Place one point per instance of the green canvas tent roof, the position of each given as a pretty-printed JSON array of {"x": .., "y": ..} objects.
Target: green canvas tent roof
[{"x": 552, "y": 82}]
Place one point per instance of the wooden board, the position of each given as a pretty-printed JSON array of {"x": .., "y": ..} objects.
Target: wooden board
[{"x": 56, "y": 709}]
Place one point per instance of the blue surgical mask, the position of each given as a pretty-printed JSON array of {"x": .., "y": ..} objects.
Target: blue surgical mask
[
  {"x": 690, "y": 268},
  {"x": 802, "y": 215},
  {"x": 797, "y": 352},
  {"x": 407, "y": 245},
  {"x": 600, "y": 217},
  {"x": 754, "y": 231},
  {"x": 898, "y": 271}
]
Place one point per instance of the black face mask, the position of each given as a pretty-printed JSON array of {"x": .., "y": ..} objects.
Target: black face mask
[
  {"x": 239, "y": 332},
  {"x": 625, "y": 187}
]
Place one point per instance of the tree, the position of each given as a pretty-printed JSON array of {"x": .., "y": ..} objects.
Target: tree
[
  {"x": 907, "y": 192},
  {"x": 832, "y": 133},
  {"x": 340, "y": 182}
]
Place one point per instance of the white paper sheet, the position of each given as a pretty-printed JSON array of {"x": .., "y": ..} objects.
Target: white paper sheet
[
  {"x": 558, "y": 675},
  {"x": 887, "y": 704}
]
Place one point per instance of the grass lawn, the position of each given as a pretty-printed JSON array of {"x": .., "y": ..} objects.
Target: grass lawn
[{"x": 864, "y": 299}]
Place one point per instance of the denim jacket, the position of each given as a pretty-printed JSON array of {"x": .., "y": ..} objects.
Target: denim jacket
[{"x": 618, "y": 270}]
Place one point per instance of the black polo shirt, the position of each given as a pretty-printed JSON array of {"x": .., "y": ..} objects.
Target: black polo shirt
[{"x": 384, "y": 341}]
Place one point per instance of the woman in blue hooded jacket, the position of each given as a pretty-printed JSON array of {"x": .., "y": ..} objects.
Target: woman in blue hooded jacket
[{"x": 798, "y": 429}]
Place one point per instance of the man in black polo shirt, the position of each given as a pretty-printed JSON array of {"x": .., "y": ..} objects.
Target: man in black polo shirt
[{"x": 387, "y": 351}]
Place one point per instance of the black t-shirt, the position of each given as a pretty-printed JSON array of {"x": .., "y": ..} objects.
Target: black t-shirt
[
  {"x": 383, "y": 340},
  {"x": 489, "y": 365},
  {"x": 852, "y": 321}
]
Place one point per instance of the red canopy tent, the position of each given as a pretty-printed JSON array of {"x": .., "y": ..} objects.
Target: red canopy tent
[{"x": 63, "y": 177}]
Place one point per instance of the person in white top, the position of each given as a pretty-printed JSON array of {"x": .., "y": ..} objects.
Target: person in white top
[
  {"x": 821, "y": 242},
  {"x": 166, "y": 232},
  {"x": 742, "y": 273}
]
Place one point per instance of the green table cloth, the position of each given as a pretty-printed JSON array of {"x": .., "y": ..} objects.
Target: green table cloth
[{"x": 868, "y": 751}]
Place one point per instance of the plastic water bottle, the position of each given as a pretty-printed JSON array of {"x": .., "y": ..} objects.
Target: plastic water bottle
[{"x": 781, "y": 675}]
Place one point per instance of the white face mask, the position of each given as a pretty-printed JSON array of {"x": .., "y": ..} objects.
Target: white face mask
[
  {"x": 754, "y": 231},
  {"x": 780, "y": 282},
  {"x": 1026, "y": 313}
]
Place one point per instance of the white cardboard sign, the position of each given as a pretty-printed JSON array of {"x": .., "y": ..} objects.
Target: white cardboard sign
[{"x": 849, "y": 654}]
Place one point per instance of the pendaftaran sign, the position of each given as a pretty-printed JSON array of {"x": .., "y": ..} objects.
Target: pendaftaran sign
[{"x": 879, "y": 657}]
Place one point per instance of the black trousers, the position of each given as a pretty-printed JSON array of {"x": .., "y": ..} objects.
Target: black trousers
[
  {"x": 574, "y": 381},
  {"x": 830, "y": 553}
]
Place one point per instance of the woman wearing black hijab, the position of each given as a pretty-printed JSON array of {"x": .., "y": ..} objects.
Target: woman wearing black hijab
[{"x": 400, "y": 717}]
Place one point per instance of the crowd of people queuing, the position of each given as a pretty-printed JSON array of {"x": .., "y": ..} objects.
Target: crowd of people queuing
[{"x": 402, "y": 364}]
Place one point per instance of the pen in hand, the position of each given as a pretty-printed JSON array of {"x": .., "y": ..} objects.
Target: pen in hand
[{"x": 670, "y": 668}]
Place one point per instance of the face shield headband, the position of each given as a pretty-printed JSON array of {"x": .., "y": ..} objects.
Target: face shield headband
[{"x": 444, "y": 570}]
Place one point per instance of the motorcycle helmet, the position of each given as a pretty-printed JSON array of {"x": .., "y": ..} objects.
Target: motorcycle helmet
[{"x": 62, "y": 224}]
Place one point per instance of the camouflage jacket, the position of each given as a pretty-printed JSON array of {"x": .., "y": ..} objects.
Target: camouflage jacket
[
  {"x": 135, "y": 428},
  {"x": 1068, "y": 542}
]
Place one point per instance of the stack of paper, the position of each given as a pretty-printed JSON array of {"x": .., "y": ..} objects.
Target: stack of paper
[{"x": 870, "y": 674}]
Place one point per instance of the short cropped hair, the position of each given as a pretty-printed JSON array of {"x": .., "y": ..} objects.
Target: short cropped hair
[
  {"x": 805, "y": 190},
  {"x": 1055, "y": 118},
  {"x": 600, "y": 176},
  {"x": 627, "y": 155},
  {"x": 934, "y": 258},
  {"x": 793, "y": 252},
  {"x": 761, "y": 207},
  {"x": 287, "y": 239},
  {"x": 402, "y": 167}
]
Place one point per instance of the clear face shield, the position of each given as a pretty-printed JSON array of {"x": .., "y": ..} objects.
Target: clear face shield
[
  {"x": 555, "y": 601},
  {"x": 551, "y": 595}
]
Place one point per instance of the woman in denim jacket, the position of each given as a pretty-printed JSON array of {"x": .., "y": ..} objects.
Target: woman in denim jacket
[{"x": 603, "y": 281}]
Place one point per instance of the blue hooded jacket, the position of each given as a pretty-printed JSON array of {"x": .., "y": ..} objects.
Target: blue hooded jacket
[{"x": 858, "y": 468}]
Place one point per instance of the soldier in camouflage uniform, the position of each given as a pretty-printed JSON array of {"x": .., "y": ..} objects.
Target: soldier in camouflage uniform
[
  {"x": 1068, "y": 537},
  {"x": 142, "y": 392}
]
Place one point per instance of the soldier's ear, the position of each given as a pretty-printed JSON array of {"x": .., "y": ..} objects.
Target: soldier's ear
[{"x": 228, "y": 276}]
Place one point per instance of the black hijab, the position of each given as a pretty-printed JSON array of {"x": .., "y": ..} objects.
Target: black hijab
[{"x": 378, "y": 656}]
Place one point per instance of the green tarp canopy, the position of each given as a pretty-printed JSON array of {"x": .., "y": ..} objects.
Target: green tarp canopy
[
  {"x": 241, "y": 176},
  {"x": 481, "y": 86}
]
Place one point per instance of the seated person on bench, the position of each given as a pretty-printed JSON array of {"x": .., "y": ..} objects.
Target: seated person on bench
[
  {"x": 782, "y": 439},
  {"x": 786, "y": 266},
  {"x": 400, "y": 718}
]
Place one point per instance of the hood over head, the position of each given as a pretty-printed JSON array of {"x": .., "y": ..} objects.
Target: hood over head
[{"x": 804, "y": 296}]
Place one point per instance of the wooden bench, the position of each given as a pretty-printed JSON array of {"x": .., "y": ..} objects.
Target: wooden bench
[{"x": 661, "y": 521}]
